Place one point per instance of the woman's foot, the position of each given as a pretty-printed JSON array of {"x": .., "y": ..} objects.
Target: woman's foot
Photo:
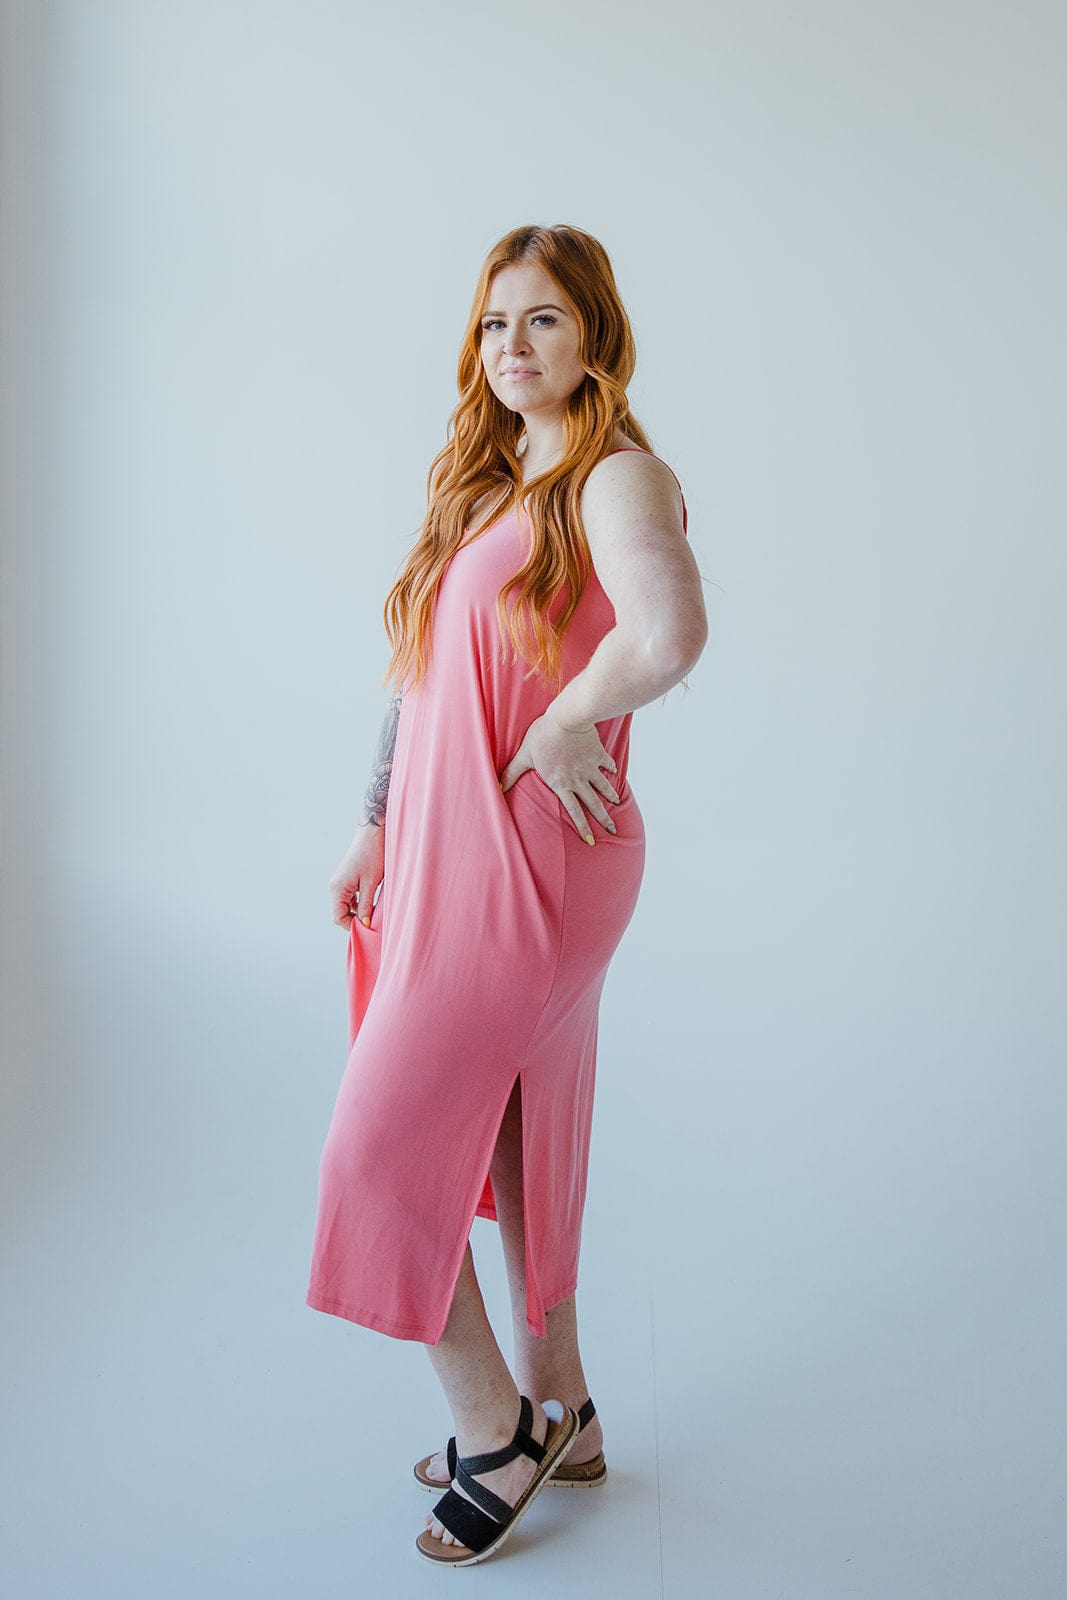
[
  {"x": 508, "y": 1481},
  {"x": 437, "y": 1468},
  {"x": 586, "y": 1445}
]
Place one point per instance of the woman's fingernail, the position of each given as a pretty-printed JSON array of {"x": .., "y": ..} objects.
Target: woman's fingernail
[
  {"x": 366, "y": 922},
  {"x": 611, "y": 827},
  {"x": 589, "y": 839}
]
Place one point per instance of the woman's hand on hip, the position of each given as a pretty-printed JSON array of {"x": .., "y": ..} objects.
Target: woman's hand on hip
[
  {"x": 358, "y": 874},
  {"x": 569, "y": 761}
]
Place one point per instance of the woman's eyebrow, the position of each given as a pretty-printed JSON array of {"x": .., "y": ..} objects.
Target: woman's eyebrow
[{"x": 527, "y": 312}]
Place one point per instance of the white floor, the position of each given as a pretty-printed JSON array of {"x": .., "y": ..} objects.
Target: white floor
[
  {"x": 822, "y": 1300},
  {"x": 786, "y": 1415}
]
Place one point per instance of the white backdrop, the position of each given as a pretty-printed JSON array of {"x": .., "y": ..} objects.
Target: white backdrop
[{"x": 239, "y": 244}]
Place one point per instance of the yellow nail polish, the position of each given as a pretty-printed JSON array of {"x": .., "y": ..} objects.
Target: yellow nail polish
[
  {"x": 589, "y": 839},
  {"x": 366, "y": 922}
]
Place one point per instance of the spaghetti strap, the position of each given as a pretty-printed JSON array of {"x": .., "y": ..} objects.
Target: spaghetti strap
[{"x": 620, "y": 449}]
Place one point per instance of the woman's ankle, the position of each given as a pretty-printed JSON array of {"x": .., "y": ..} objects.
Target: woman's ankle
[
  {"x": 544, "y": 1384},
  {"x": 484, "y": 1432}
]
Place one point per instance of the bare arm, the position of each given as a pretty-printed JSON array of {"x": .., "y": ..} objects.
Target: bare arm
[
  {"x": 377, "y": 794},
  {"x": 632, "y": 513},
  {"x": 362, "y": 867}
]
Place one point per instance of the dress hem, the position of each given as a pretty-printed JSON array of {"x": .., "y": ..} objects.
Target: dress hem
[
  {"x": 368, "y": 1319},
  {"x": 408, "y": 1330}
]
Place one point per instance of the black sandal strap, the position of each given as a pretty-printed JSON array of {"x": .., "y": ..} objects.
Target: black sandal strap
[
  {"x": 477, "y": 1524},
  {"x": 586, "y": 1414},
  {"x": 450, "y": 1457},
  {"x": 523, "y": 1443},
  {"x": 483, "y": 1496},
  {"x": 524, "y": 1439},
  {"x": 466, "y": 1522}
]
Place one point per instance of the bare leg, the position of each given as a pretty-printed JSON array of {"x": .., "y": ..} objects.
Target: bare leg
[
  {"x": 481, "y": 1392},
  {"x": 548, "y": 1368}
]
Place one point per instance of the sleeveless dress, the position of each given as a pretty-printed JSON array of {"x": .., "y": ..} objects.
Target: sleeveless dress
[{"x": 484, "y": 960}]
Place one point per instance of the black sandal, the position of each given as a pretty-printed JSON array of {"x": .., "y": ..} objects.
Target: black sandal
[
  {"x": 584, "y": 1474},
  {"x": 484, "y": 1526}
]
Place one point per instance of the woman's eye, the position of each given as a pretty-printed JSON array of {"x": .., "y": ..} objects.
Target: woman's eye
[{"x": 542, "y": 316}]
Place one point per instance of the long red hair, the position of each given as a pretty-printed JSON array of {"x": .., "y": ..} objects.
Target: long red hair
[{"x": 480, "y": 461}]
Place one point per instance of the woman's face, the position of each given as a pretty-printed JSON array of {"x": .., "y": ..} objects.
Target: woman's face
[{"x": 529, "y": 343}]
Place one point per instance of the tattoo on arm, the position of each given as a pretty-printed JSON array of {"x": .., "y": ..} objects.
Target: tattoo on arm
[{"x": 378, "y": 788}]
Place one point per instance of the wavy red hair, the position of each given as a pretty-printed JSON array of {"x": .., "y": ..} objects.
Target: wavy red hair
[{"x": 480, "y": 463}]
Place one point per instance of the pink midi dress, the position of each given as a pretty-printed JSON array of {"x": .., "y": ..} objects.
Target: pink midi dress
[{"x": 484, "y": 961}]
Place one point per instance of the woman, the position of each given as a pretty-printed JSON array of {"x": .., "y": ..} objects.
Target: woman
[{"x": 551, "y": 592}]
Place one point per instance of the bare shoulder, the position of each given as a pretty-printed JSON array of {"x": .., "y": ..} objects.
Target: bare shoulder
[
  {"x": 631, "y": 511},
  {"x": 631, "y": 494}
]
